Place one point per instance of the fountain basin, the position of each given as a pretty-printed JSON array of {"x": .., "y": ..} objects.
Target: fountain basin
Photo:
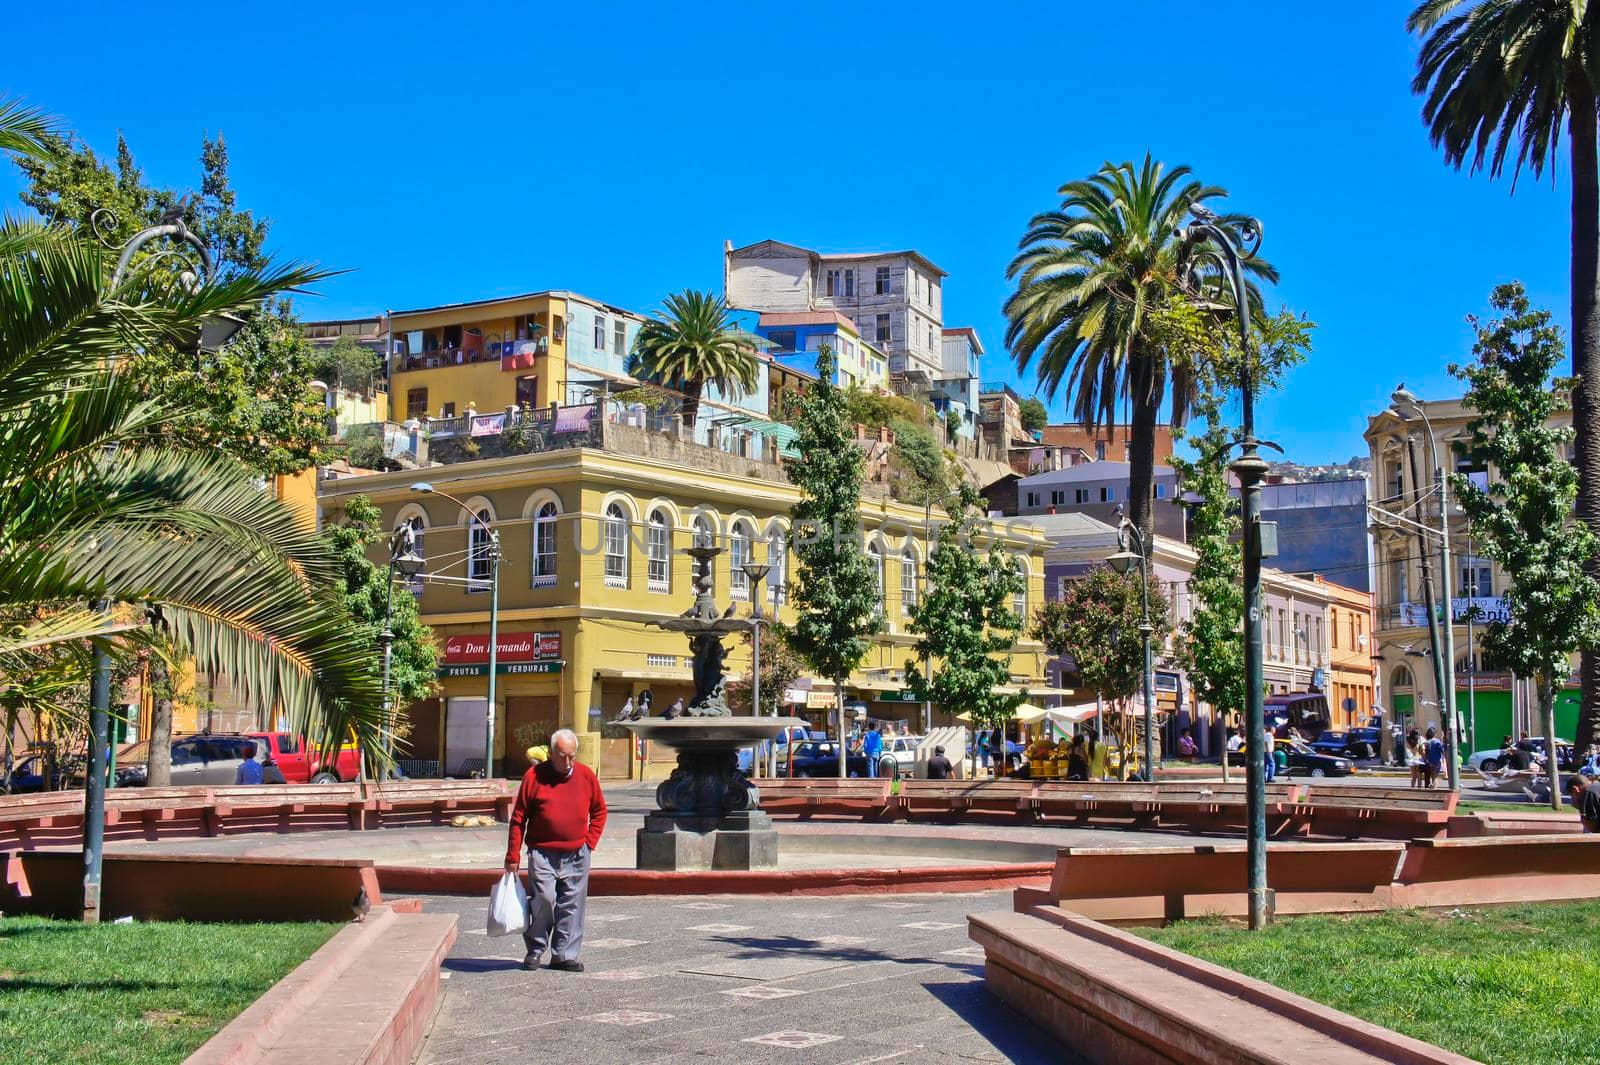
[{"x": 710, "y": 816}]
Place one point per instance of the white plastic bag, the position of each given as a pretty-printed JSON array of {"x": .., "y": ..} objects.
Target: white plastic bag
[{"x": 508, "y": 906}]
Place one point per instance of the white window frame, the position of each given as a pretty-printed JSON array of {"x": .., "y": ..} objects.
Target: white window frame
[
  {"x": 600, "y": 333},
  {"x": 908, "y": 580},
  {"x": 849, "y": 284},
  {"x": 741, "y": 544},
  {"x": 479, "y": 564},
  {"x": 1033, "y": 499},
  {"x": 659, "y": 574},
  {"x": 1080, "y": 495},
  {"x": 544, "y": 545},
  {"x": 1058, "y": 497},
  {"x": 883, "y": 282},
  {"x": 619, "y": 336},
  {"x": 882, "y": 329},
  {"x": 778, "y": 559},
  {"x": 875, "y": 553},
  {"x": 616, "y": 546}
]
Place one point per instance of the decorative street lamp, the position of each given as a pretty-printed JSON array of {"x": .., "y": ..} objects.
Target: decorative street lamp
[
  {"x": 1130, "y": 554},
  {"x": 404, "y": 558},
  {"x": 215, "y": 331},
  {"x": 1402, "y": 404},
  {"x": 755, "y": 572},
  {"x": 1208, "y": 241},
  {"x": 494, "y": 610}
]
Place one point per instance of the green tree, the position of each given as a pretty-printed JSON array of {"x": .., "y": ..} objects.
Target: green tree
[
  {"x": 1034, "y": 415},
  {"x": 347, "y": 363},
  {"x": 1097, "y": 623},
  {"x": 918, "y": 469},
  {"x": 1211, "y": 644},
  {"x": 691, "y": 344},
  {"x": 838, "y": 601},
  {"x": 99, "y": 504},
  {"x": 1522, "y": 521},
  {"x": 252, "y": 399},
  {"x": 780, "y": 668},
  {"x": 1090, "y": 277},
  {"x": 964, "y": 621},
  {"x": 367, "y": 596},
  {"x": 1500, "y": 78}
]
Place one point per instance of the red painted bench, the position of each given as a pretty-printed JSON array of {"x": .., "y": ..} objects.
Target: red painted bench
[
  {"x": 1499, "y": 869},
  {"x": 954, "y": 798},
  {"x": 808, "y": 796}
]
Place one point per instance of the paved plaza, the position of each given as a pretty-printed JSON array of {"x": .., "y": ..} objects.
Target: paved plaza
[{"x": 819, "y": 980}]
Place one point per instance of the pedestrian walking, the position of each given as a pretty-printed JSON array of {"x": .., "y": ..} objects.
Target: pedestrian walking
[
  {"x": 1415, "y": 758},
  {"x": 997, "y": 751},
  {"x": 1433, "y": 757},
  {"x": 1078, "y": 759},
  {"x": 980, "y": 743},
  {"x": 560, "y": 815}
]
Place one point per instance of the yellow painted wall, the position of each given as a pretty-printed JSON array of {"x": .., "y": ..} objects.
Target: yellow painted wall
[
  {"x": 605, "y": 628},
  {"x": 298, "y": 492},
  {"x": 483, "y": 384}
]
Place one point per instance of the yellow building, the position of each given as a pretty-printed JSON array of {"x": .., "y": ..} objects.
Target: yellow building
[{"x": 592, "y": 529}]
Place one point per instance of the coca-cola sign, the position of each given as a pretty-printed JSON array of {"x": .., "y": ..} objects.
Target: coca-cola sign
[{"x": 512, "y": 647}]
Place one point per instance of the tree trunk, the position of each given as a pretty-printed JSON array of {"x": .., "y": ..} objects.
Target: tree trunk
[
  {"x": 1586, "y": 351},
  {"x": 838, "y": 697},
  {"x": 1148, "y": 384},
  {"x": 691, "y": 402},
  {"x": 1547, "y": 718},
  {"x": 158, "y": 767}
]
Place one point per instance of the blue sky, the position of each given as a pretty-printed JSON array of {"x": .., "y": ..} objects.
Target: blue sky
[{"x": 443, "y": 153}]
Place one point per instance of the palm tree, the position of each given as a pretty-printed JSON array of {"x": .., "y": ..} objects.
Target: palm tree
[
  {"x": 1502, "y": 74},
  {"x": 108, "y": 521},
  {"x": 1090, "y": 277},
  {"x": 691, "y": 344}
]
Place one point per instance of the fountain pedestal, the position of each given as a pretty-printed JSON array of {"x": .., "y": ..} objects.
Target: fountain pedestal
[{"x": 710, "y": 815}]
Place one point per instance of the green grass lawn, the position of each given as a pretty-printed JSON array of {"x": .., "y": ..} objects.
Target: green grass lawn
[
  {"x": 1503, "y": 985},
  {"x": 1469, "y": 806},
  {"x": 143, "y": 994}
]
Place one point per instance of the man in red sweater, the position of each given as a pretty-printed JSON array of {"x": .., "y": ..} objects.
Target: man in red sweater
[{"x": 560, "y": 814}]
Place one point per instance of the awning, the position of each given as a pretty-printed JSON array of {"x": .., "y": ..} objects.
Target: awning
[
  {"x": 1072, "y": 715},
  {"x": 1029, "y": 714},
  {"x": 1032, "y": 690},
  {"x": 648, "y": 673}
]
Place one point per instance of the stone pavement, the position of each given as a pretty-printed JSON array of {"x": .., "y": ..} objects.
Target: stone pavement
[{"x": 821, "y": 981}]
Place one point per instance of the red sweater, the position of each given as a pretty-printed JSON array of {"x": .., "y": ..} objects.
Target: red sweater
[{"x": 557, "y": 813}]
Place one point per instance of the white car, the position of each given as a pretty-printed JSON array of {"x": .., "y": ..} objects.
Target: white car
[{"x": 899, "y": 757}]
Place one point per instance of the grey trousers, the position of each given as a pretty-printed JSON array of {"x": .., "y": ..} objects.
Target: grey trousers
[{"x": 558, "y": 886}]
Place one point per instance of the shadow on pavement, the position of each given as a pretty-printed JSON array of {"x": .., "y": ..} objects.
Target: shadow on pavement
[
  {"x": 480, "y": 965},
  {"x": 1007, "y": 1031}
]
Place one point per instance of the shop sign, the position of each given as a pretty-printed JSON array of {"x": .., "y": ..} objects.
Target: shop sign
[
  {"x": 821, "y": 700},
  {"x": 511, "y": 647},
  {"x": 901, "y": 696},
  {"x": 481, "y": 669}
]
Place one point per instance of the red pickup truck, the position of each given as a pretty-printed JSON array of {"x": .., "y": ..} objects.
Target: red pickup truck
[{"x": 214, "y": 758}]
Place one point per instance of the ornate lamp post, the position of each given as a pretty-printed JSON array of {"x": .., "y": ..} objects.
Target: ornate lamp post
[
  {"x": 1403, "y": 404},
  {"x": 755, "y": 572},
  {"x": 214, "y": 333},
  {"x": 1207, "y": 241},
  {"x": 425, "y": 488},
  {"x": 404, "y": 558},
  {"x": 1131, "y": 553}
]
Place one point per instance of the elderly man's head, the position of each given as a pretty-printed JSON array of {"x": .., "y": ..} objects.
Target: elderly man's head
[
  {"x": 563, "y": 751},
  {"x": 1578, "y": 783}
]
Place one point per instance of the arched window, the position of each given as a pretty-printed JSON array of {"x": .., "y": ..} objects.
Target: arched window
[
  {"x": 1400, "y": 678},
  {"x": 616, "y": 546},
  {"x": 706, "y": 533},
  {"x": 479, "y": 565},
  {"x": 660, "y": 575},
  {"x": 544, "y": 545},
  {"x": 908, "y": 580},
  {"x": 1019, "y": 602},
  {"x": 739, "y": 544},
  {"x": 778, "y": 559},
  {"x": 418, "y": 529},
  {"x": 875, "y": 555}
]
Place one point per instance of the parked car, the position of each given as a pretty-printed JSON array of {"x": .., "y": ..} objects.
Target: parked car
[
  {"x": 820, "y": 758},
  {"x": 25, "y": 776},
  {"x": 1493, "y": 760},
  {"x": 215, "y": 758},
  {"x": 793, "y": 735},
  {"x": 899, "y": 757},
  {"x": 1357, "y": 743},
  {"x": 1304, "y": 761}
]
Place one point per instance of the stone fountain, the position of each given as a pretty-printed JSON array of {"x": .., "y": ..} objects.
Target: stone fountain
[{"x": 710, "y": 813}]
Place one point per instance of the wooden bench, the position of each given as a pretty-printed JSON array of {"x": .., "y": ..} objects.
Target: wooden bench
[
  {"x": 954, "y": 798},
  {"x": 398, "y": 802},
  {"x": 1086, "y": 800},
  {"x": 1387, "y": 813},
  {"x": 1499, "y": 869},
  {"x": 806, "y": 797},
  {"x": 1156, "y": 884},
  {"x": 1201, "y": 807}
]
